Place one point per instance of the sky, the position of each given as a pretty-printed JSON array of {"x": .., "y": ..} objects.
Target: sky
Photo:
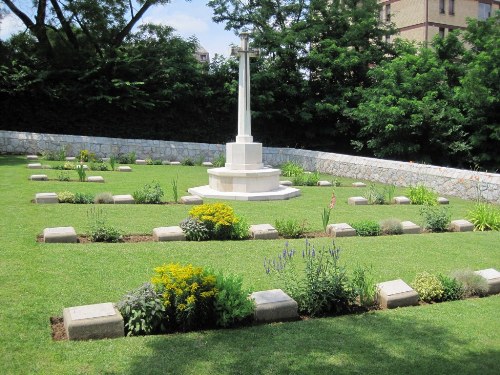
[{"x": 188, "y": 18}]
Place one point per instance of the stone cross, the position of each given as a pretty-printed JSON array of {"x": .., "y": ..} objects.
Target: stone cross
[{"x": 244, "y": 115}]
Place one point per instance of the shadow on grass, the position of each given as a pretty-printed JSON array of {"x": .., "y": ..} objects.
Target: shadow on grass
[
  {"x": 12, "y": 160},
  {"x": 374, "y": 343}
]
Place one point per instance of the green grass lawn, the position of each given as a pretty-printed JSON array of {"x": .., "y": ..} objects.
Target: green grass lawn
[{"x": 38, "y": 280}]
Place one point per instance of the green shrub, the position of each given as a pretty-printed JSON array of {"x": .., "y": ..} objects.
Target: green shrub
[
  {"x": 157, "y": 162},
  {"x": 306, "y": 179},
  {"x": 291, "y": 169},
  {"x": 143, "y": 311},
  {"x": 472, "y": 283},
  {"x": 188, "y": 294},
  {"x": 195, "y": 230},
  {"x": 103, "y": 198},
  {"x": 240, "y": 229},
  {"x": 435, "y": 219},
  {"x": 113, "y": 160},
  {"x": 49, "y": 155},
  {"x": 188, "y": 162},
  {"x": 421, "y": 195},
  {"x": 98, "y": 166},
  {"x": 373, "y": 195},
  {"x": 219, "y": 218},
  {"x": 99, "y": 230},
  {"x": 232, "y": 305},
  {"x": 81, "y": 172},
  {"x": 63, "y": 176},
  {"x": 290, "y": 228},
  {"x": 86, "y": 156},
  {"x": 389, "y": 192},
  {"x": 484, "y": 216},
  {"x": 149, "y": 194},
  {"x": 66, "y": 197},
  {"x": 83, "y": 198},
  {"x": 391, "y": 227},
  {"x": 219, "y": 161},
  {"x": 175, "y": 188},
  {"x": 323, "y": 287},
  {"x": 364, "y": 286},
  {"x": 69, "y": 166},
  {"x": 428, "y": 287},
  {"x": 126, "y": 158},
  {"x": 149, "y": 161},
  {"x": 366, "y": 228},
  {"x": 452, "y": 288}
]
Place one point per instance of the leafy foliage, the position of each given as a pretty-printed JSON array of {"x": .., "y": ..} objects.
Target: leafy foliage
[
  {"x": 422, "y": 195},
  {"x": 452, "y": 288},
  {"x": 290, "y": 228},
  {"x": 472, "y": 283},
  {"x": 99, "y": 229},
  {"x": 306, "y": 179},
  {"x": 428, "y": 287},
  {"x": 219, "y": 218},
  {"x": 391, "y": 227},
  {"x": 366, "y": 228},
  {"x": 373, "y": 195},
  {"x": 194, "y": 229},
  {"x": 436, "y": 219},
  {"x": 83, "y": 198},
  {"x": 232, "y": 305},
  {"x": 291, "y": 169},
  {"x": 484, "y": 216},
  {"x": 66, "y": 197},
  {"x": 149, "y": 194}
]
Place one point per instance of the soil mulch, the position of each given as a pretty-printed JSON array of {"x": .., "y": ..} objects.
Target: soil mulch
[{"x": 58, "y": 331}]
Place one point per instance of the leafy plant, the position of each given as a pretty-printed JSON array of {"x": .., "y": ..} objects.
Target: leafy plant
[
  {"x": 391, "y": 227},
  {"x": 219, "y": 161},
  {"x": 366, "y": 228},
  {"x": 452, "y": 288},
  {"x": 435, "y": 219},
  {"x": 389, "y": 192},
  {"x": 175, "y": 188},
  {"x": 188, "y": 162},
  {"x": 484, "y": 216},
  {"x": 188, "y": 294},
  {"x": 66, "y": 197},
  {"x": 421, "y": 195},
  {"x": 428, "y": 287},
  {"x": 99, "y": 230},
  {"x": 157, "y": 162},
  {"x": 149, "y": 161},
  {"x": 112, "y": 162},
  {"x": 83, "y": 198},
  {"x": 290, "y": 228},
  {"x": 325, "y": 217},
  {"x": 81, "y": 173},
  {"x": 219, "y": 218},
  {"x": 323, "y": 287},
  {"x": 232, "y": 305},
  {"x": 63, "y": 176},
  {"x": 373, "y": 195},
  {"x": 143, "y": 311},
  {"x": 69, "y": 166},
  {"x": 103, "y": 198},
  {"x": 98, "y": 166},
  {"x": 149, "y": 194},
  {"x": 306, "y": 179},
  {"x": 240, "y": 229},
  {"x": 364, "y": 286},
  {"x": 86, "y": 156},
  {"x": 194, "y": 229},
  {"x": 472, "y": 283},
  {"x": 291, "y": 169},
  {"x": 127, "y": 158}
]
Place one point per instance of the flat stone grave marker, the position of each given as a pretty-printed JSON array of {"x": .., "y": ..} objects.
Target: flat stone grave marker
[
  {"x": 324, "y": 183},
  {"x": 124, "y": 168},
  {"x": 207, "y": 164},
  {"x": 492, "y": 277},
  {"x": 46, "y": 198},
  {"x": 461, "y": 226},
  {"x": 340, "y": 230},
  {"x": 396, "y": 293},
  {"x": 274, "y": 306},
  {"x": 410, "y": 228},
  {"x": 263, "y": 232},
  {"x": 32, "y": 157},
  {"x": 59, "y": 235},
  {"x": 38, "y": 177},
  {"x": 140, "y": 162},
  {"x": 174, "y": 233},
  {"x": 358, "y": 184},
  {"x": 357, "y": 201},
  {"x": 401, "y": 200},
  {"x": 123, "y": 199},
  {"x": 99, "y": 179},
  {"x": 175, "y": 163},
  {"x": 70, "y": 158},
  {"x": 286, "y": 183},
  {"x": 443, "y": 200},
  {"x": 34, "y": 166},
  {"x": 165, "y": 162},
  {"x": 99, "y": 321},
  {"x": 191, "y": 199}
]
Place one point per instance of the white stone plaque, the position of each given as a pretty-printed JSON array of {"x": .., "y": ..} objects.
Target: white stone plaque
[{"x": 92, "y": 311}]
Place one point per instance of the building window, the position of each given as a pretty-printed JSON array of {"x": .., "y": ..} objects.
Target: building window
[
  {"x": 484, "y": 11},
  {"x": 451, "y": 7},
  {"x": 441, "y": 6},
  {"x": 388, "y": 12},
  {"x": 441, "y": 32}
]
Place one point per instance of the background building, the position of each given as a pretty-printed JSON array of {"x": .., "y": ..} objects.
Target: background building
[{"x": 421, "y": 20}]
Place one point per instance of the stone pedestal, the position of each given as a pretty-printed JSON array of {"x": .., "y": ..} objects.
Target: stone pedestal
[{"x": 244, "y": 156}]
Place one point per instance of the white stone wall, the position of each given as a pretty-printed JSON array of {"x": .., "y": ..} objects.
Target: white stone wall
[{"x": 445, "y": 181}]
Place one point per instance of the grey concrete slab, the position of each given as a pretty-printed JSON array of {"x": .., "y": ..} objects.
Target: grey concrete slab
[
  {"x": 263, "y": 232},
  {"x": 124, "y": 168},
  {"x": 32, "y": 157},
  {"x": 59, "y": 235},
  {"x": 175, "y": 163},
  {"x": 396, "y": 293},
  {"x": 98, "y": 179},
  {"x": 410, "y": 228},
  {"x": 358, "y": 184},
  {"x": 357, "y": 201},
  {"x": 46, "y": 198},
  {"x": 140, "y": 162},
  {"x": 34, "y": 166},
  {"x": 174, "y": 233},
  {"x": 98, "y": 321},
  {"x": 443, "y": 200},
  {"x": 207, "y": 164},
  {"x": 191, "y": 199},
  {"x": 123, "y": 199},
  {"x": 286, "y": 183},
  {"x": 340, "y": 230},
  {"x": 38, "y": 177},
  {"x": 492, "y": 277},
  {"x": 401, "y": 200},
  {"x": 461, "y": 226},
  {"x": 324, "y": 183},
  {"x": 274, "y": 306}
]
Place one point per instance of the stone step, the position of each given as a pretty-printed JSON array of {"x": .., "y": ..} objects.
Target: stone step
[
  {"x": 263, "y": 232},
  {"x": 396, "y": 293},
  {"x": 274, "y": 306},
  {"x": 98, "y": 321}
]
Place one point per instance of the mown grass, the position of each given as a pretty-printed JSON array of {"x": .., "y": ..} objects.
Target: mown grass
[{"x": 39, "y": 280}]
